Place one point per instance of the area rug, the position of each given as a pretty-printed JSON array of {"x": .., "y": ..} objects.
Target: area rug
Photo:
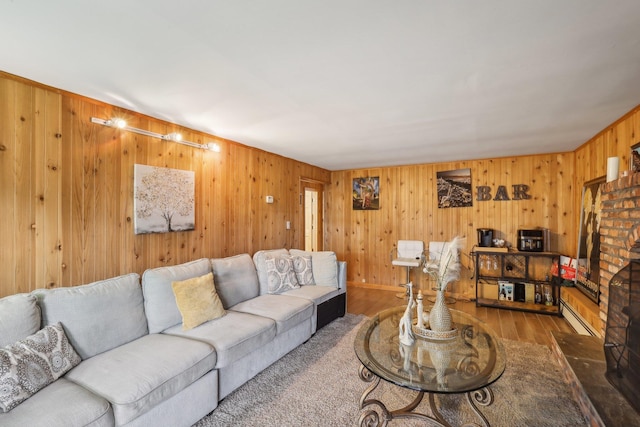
[{"x": 317, "y": 384}]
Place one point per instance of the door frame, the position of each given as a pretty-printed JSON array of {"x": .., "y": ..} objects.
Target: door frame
[{"x": 318, "y": 186}]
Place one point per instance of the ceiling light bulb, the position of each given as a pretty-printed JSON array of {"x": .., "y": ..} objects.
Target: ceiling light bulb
[
  {"x": 173, "y": 136},
  {"x": 212, "y": 146},
  {"x": 116, "y": 123}
]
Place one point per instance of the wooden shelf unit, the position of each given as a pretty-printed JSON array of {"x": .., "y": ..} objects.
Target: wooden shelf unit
[{"x": 528, "y": 275}]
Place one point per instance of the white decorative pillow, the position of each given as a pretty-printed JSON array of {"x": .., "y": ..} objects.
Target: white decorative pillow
[
  {"x": 33, "y": 363},
  {"x": 280, "y": 274},
  {"x": 325, "y": 266},
  {"x": 304, "y": 271}
]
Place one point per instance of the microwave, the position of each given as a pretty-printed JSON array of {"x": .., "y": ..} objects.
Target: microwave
[{"x": 531, "y": 240}]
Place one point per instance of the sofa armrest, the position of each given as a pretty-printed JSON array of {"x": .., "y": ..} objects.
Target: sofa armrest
[{"x": 342, "y": 275}]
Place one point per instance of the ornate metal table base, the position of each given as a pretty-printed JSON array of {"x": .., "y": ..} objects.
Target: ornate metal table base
[{"x": 371, "y": 418}]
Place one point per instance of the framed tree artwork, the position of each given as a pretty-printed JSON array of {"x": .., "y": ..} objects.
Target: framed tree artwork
[{"x": 164, "y": 200}]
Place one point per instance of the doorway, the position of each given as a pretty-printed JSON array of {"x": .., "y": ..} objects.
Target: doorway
[{"x": 312, "y": 197}]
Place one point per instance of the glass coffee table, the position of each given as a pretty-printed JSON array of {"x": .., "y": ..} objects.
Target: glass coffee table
[{"x": 465, "y": 364}]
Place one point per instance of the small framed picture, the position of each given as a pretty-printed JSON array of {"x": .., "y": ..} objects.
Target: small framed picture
[
  {"x": 454, "y": 188},
  {"x": 366, "y": 193},
  {"x": 635, "y": 158}
]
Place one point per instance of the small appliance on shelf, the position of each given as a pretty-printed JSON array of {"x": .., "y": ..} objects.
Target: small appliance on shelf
[
  {"x": 531, "y": 240},
  {"x": 486, "y": 242},
  {"x": 485, "y": 237}
]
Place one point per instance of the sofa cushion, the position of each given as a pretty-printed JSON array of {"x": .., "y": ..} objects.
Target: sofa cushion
[
  {"x": 318, "y": 294},
  {"x": 99, "y": 316},
  {"x": 287, "y": 311},
  {"x": 302, "y": 266},
  {"x": 233, "y": 336},
  {"x": 30, "y": 365},
  {"x": 235, "y": 278},
  {"x": 261, "y": 267},
  {"x": 159, "y": 302},
  {"x": 197, "y": 300},
  {"x": 19, "y": 318},
  {"x": 62, "y": 403},
  {"x": 324, "y": 265},
  {"x": 139, "y": 375},
  {"x": 280, "y": 274}
]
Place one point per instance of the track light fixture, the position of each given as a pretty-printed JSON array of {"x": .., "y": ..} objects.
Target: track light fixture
[
  {"x": 173, "y": 136},
  {"x": 116, "y": 123}
]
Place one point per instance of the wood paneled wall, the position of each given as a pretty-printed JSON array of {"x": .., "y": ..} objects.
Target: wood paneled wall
[
  {"x": 66, "y": 192},
  {"x": 613, "y": 141},
  {"x": 409, "y": 204},
  {"x": 409, "y": 210}
]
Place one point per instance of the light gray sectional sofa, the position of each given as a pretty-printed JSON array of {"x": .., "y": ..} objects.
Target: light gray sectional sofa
[{"x": 137, "y": 365}]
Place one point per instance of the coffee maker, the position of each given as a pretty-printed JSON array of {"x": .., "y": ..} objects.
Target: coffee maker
[{"x": 485, "y": 237}]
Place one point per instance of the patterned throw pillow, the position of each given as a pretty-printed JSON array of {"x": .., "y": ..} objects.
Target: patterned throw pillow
[
  {"x": 33, "y": 363},
  {"x": 280, "y": 274},
  {"x": 302, "y": 268}
]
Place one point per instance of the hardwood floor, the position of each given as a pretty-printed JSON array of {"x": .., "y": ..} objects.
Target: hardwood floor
[{"x": 509, "y": 324}]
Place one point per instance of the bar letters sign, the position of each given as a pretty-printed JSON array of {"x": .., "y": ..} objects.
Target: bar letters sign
[{"x": 518, "y": 192}]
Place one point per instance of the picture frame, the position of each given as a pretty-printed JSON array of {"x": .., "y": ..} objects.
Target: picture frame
[
  {"x": 163, "y": 199},
  {"x": 366, "y": 193},
  {"x": 454, "y": 188},
  {"x": 634, "y": 158},
  {"x": 587, "y": 277}
]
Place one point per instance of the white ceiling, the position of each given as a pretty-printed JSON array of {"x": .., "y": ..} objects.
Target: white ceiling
[{"x": 345, "y": 84}]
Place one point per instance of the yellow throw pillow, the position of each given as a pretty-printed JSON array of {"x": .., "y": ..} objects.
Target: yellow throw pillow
[{"x": 197, "y": 301}]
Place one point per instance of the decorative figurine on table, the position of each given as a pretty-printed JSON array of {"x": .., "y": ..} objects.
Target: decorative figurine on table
[
  {"x": 405, "y": 332},
  {"x": 422, "y": 316},
  {"x": 420, "y": 310}
]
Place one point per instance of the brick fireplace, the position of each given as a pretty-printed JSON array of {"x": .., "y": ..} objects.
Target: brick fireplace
[
  {"x": 604, "y": 400},
  {"x": 619, "y": 233}
]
